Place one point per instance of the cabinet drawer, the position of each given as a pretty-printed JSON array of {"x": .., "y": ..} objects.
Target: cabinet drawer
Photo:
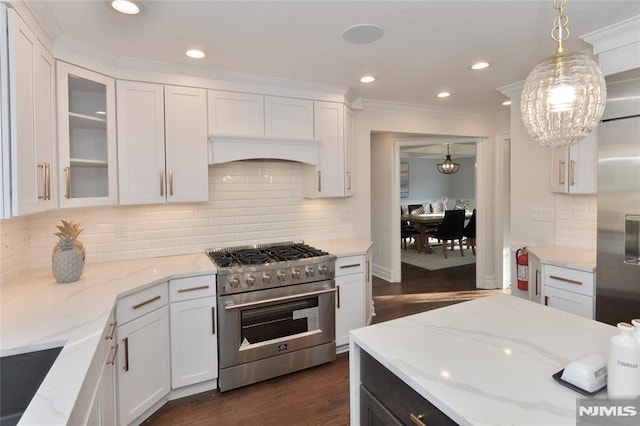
[
  {"x": 572, "y": 280},
  {"x": 396, "y": 396},
  {"x": 135, "y": 305},
  {"x": 192, "y": 287},
  {"x": 349, "y": 265}
]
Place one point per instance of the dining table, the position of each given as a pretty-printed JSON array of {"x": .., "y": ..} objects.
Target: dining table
[{"x": 426, "y": 222}]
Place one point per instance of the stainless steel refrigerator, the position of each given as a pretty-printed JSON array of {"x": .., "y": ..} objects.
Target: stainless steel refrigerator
[{"x": 618, "y": 239}]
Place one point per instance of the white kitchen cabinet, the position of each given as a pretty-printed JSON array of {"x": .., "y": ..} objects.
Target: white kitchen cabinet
[
  {"x": 331, "y": 177},
  {"x": 570, "y": 290},
  {"x": 29, "y": 120},
  {"x": 143, "y": 361},
  {"x": 86, "y": 137},
  {"x": 194, "y": 340},
  {"x": 574, "y": 169},
  {"x": 232, "y": 113},
  {"x": 288, "y": 118},
  {"x": 350, "y": 297},
  {"x": 349, "y": 150},
  {"x": 96, "y": 403},
  {"x": 162, "y": 143}
]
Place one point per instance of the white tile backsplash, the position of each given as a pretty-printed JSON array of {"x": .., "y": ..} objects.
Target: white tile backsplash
[
  {"x": 576, "y": 220},
  {"x": 249, "y": 202},
  {"x": 14, "y": 252}
]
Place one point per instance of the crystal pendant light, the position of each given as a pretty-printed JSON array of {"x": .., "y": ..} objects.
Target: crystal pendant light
[
  {"x": 448, "y": 167},
  {"x": 564, "y": 96}
]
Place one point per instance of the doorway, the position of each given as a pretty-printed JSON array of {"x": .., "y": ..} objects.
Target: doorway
[{"x": 421, "y": 183}]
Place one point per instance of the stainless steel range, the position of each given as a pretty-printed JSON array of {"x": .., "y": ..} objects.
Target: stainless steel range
[{"x": 276, "y": 310}]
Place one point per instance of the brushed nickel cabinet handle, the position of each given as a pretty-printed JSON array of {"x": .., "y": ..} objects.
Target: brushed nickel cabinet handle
[
  {"x": 368, "y": 271},
  {"x": 417, "y": 420},
  {"x": 213, "y": 320},
  {"x": 171, "y": 182},
  {"x": 353, "y": 265},
  {"x": 561, "y": 173},
  {"x": 67, "y": 172},
  {"x": 566, "y": 280},
  {"x": 162, "y": 183},
  {"x": 319, "y": 181},
  {"x": 349, "y": 180},
  {"x": 546, "y": 300},
  {"x": 113, "y": 357},
  {"x": 184, "y": 290},
  {"x": 338, "y": 296},
  {"x": 146, "y": 302},
  {"x": 125, "y": 367},
  {"x": 537, "y": 281},
  {"x": 572, "y": 167},
  {"x": 113, "y": 330},
  {"x": 43, "y": 166}
]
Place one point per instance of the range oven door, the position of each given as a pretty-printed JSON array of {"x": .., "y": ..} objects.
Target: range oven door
[{"x": 265, "y": 323}]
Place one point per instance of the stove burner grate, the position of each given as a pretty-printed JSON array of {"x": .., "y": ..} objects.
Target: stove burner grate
[{"x": 242, "y": 256}]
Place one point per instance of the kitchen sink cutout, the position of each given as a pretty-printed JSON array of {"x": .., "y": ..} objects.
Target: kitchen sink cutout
[{"x": 20, "y": 378}]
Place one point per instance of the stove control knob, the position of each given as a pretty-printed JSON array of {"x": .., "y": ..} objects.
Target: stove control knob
[
  {"x": 295, "y": 274},
  {"x": 310, "y": 271},
  {"x": 323, "y": 270},
  {"x": 266, "y": 278},
  {"x": 234, "y": 282},
  {"x": 282, "y": 275},
  {"x": 251, "y": 280}
]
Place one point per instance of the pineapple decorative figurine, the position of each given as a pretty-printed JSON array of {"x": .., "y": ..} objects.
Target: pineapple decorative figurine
[{"x": 67, "y": 260}]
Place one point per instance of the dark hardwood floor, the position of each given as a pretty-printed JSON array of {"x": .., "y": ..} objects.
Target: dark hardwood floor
[{"x": 320, "y": 395}]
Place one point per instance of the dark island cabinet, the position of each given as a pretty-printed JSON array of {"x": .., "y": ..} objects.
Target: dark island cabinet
[{"x": 386, "y": 400}]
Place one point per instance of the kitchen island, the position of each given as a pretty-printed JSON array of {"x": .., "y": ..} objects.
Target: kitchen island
[{"x": 485, "y": 362}]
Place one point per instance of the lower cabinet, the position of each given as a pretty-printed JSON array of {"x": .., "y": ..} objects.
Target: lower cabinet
[
  {"x": 386, "y": 400},
  {"x": 194, "y": 340},
  {"x": 350, "y": 297},
  {"x": 96, "y": 403},
  {"x": 143, "y": 363},
  {"x": 569, "y": 290}
]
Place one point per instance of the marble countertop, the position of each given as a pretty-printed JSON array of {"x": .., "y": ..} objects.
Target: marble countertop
[
  {"x": 38, "y": 313},
  {"x": 569, "y": 257},
  {"x": 489, "y": 361}
]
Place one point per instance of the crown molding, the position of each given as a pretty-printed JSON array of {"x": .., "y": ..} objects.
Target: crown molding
[
  {"x": 614, "y": 36},
  {"x": 416, "y": 109},
  {"x": 512, "y": 90}
]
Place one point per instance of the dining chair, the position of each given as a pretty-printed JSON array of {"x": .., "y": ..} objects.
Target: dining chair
[
  {"x": 451, "y": 229},
  {"x": 407, "y": 231},
  {"x": 413, "y": 207},
  {"x": 470, "y": 232}
]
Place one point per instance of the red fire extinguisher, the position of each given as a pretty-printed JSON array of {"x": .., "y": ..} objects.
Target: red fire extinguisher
[{"x": 522, "y": 268}]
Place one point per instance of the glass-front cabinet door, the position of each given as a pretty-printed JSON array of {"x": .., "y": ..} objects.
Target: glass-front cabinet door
[{"x": 86, "y": 142}]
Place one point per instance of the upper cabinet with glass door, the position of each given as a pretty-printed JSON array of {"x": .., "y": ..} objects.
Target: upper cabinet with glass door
[{"x": 87, "y": 138}]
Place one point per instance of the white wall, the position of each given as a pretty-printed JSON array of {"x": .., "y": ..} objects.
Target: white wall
[
  {"x": 249, "y": 202},
  {"x": 427, "y": 184},
  {"x": 369, "y": 169}
]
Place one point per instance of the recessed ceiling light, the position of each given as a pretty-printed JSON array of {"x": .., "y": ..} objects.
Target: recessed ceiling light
[
  {"x": 195, "y": 53},
  {"x": 505, "y": 103},
  {"x": 127, "y": 7},
  {"x": 443, "y": 94},
  {"x": 367, "y": 79},
  {"x": 362, "y": 33},
  {"x": 480, "y": 66}
]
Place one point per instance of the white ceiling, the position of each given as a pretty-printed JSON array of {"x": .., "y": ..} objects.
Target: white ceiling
[{"x": 427, "y": 46}]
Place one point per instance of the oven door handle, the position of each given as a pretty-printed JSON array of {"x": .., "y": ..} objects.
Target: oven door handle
[{"x": 279, "y": 299}]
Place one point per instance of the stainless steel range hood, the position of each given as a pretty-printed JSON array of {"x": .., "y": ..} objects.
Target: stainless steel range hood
[{"x": 226, "y": 148}]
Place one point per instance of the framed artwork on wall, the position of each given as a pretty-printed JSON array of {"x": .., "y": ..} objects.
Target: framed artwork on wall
[{"x": 404, "y": 180}]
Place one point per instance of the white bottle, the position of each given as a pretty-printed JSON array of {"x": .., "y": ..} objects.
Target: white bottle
[{"x": 623, "y": 372}]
